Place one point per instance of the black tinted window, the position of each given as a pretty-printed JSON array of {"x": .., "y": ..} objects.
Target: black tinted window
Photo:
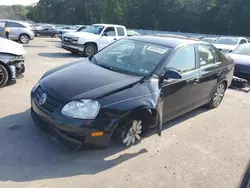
[
  {"x": 110, "y": 31},
  {"x": 14, "y": 24},
  {"x": 215, "y": 54},
  {"x": 120, "y": 31},
  {"x": 242, "y": 41},
  {"x": 205, "y": 55},
  {"x": 183, "y": 60}
]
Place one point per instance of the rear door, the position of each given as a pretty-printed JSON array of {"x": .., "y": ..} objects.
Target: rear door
[
  {"x": 15, "y": 30},
  {"x": 179, "y": 95},
  {"x": 210, "y": 71},
  {"x": 121, "y": 32}
]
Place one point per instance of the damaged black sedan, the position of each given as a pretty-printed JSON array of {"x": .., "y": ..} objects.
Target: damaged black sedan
[
  {"x": 11, "y": 61},
  {"x": 127, "y": 88}
]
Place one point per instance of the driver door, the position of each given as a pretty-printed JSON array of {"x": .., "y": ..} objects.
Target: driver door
[
  {"x": 108, "y": 36},
  {"x": 179, "y": 95}
]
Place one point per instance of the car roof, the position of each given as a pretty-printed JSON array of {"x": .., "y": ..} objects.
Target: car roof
[
  {"x": 169, "y": 41},
  {"x": 107, "y": 25},
  {"x": 233, "y": 37},
  {"x": 210, "y": 38}
]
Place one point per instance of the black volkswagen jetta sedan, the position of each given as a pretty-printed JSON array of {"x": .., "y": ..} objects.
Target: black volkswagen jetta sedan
[{"x": 127, "y": 88}]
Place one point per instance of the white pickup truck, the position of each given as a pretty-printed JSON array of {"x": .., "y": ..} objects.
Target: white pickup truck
[{"x": 93, "y": 39}]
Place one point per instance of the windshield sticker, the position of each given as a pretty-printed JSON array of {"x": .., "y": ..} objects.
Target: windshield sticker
[{"x": 156, "y": 49}]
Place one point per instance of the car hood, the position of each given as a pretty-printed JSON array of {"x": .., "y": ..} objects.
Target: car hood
[
  {"x": 81, "y": 35},
  {"x": 225, "y": 47},
  {"x": 240, "y": 59},
  {"x": 11, "y": 47},
  {"x": 84, "y": 80},
  {"x": 67, "y": 30}
]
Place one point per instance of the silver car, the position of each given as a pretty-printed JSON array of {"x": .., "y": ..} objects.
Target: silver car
[{"x": 19, "y": 31}]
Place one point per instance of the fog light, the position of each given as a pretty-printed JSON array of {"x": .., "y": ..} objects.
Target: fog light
[{"x": 96, "y": 134}]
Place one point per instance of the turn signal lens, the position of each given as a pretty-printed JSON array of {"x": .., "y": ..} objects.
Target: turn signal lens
[{"x": 96, "y": 134}]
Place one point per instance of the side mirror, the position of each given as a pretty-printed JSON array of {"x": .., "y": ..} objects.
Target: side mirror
[
  {"x": 172, "y": 74},
  {"x": 105, "y": 34}
]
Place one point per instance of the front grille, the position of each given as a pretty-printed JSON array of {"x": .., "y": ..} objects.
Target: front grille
[
  {"x": 67, "y": 39},
  {"x": 50, "y": 104}
]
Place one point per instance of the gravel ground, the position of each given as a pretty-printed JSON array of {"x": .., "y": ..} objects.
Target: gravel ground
[{"x": 200, "y": 149}]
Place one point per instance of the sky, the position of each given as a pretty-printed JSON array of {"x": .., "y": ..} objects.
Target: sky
[{"x": 20, "y": 2}]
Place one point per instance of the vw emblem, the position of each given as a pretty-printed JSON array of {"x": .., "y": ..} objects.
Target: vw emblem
[{"x": 43, "y": 99}]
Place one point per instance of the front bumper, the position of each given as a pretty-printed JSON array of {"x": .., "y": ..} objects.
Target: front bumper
[
  {"x": 73, "y": 47},
  {"x": 72, "y": 134}
]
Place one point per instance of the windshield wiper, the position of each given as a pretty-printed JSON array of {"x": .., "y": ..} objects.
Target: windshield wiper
[{"x": 106, "y": 67}]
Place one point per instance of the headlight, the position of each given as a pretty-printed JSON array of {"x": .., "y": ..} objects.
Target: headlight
[
  {"x": 75, "y": 39},
  {"x": 83, "y": 109},
  {"x": 17, "y": 58}
]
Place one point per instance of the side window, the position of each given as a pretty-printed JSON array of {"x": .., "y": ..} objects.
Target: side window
[
  {"x": 13, "y": 24},
  {"x": 215, "y": 54},
  {"x": 242, "y": 41},
  {"x": 110, "y": 31},
  {"x": 120, "y": 31},
  {"x": 183, "y": 60},
  {"x": 205, "y": 55}
]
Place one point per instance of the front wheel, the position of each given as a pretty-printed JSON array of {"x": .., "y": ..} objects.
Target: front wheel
[
  {"x": 129, "y": 133},
  {"x": 217, "y": 96},
  {"x": 89, "y": 50},
  {"x": 24, "y": 39},
  {"x": 4, "y": 76}
]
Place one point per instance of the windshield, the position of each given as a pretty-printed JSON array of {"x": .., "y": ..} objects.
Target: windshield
[
  {"x": 95, "y": 29},
  {"x": 131, "y": 57},
  {"x": 208, "y": 40},
  {"x": 227, "y": 41},
  {"x": 75, "y": 27},
  {"x": 243, "y": 49}
]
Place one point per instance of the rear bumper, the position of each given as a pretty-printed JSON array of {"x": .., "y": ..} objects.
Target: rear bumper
[
  {"x": 71, "y": 133},
  {"x": 72, "y": 47}
]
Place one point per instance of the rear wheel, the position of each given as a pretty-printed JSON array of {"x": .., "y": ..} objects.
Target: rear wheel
[
  {"x": 4, "y": 76},
  {"x": 129, "y": 133},
  {"x": 218, "y": 96},
  {"x": 38, "y": 34},
  {"x": 24, "y": 38},
  {"x": 89, "y": 50}
]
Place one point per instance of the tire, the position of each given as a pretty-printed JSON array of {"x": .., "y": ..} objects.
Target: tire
[
  {"x": 24, "y": 38},
  {"x": 89, "y": 50},
  {"x": 217, "y": 96},
  {"x": 4, "y": 76},
  {"x": 56, "y": 36},
  {"x": 129, "y": 133},
  {"x": 38, "y": 34}
]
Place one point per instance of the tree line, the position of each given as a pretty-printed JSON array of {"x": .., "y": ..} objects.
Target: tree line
[{"x": 198, "y": 16}]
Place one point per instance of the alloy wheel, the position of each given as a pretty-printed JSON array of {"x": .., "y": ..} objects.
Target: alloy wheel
[
  {"x": 1, "y": 76},
  {"x": 24, "y": 39},
  {"x": 133, "y": 133},
  {"x": 219, "y": 94},
  {"x": 90, "y": 50}
]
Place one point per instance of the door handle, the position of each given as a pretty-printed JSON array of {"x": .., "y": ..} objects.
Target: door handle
[
  {"x": 196, "y": 80},
  {"x": 115, "y": 38},
  {"x": 193, "y": 81}
]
